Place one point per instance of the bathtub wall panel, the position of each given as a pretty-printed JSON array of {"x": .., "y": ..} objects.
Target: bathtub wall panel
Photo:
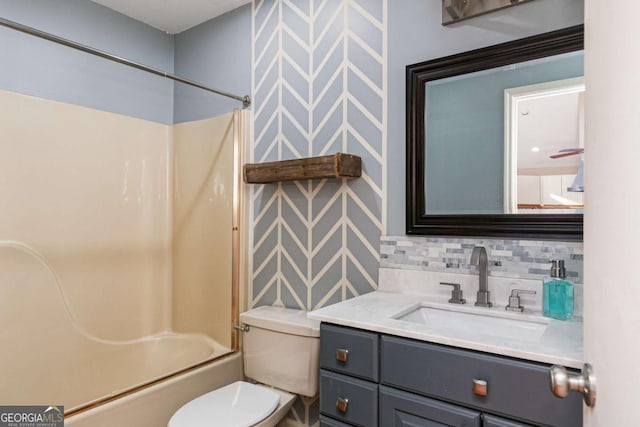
[
  {"x": 88, "y": 190},
  {"x": 49, "y": 357},
  {"x": 202, "y": 221},
  {"x": 155, "y": 405},
  {"x": 100, "y": 214},
  {"x": 36, "y": 332}
]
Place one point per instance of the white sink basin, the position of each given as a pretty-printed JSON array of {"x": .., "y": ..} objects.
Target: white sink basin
[{"x": 477, "y": 322}]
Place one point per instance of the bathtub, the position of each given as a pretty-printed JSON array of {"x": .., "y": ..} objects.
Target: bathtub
[
  {"x": 110, "y": 303},
  {"x": 97, "y": 372},
  {"x": 49, "y": 358},
  {"x": 152, "y": 406}
]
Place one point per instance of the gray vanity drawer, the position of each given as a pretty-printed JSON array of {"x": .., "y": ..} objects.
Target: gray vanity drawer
[
  {"x": 492, "y": 421},
  {"x": 401, "y": 409},
  {"x": 362, "y": 397},
  {"x": 330, "y": 422},
  {"x": 361, "y": 351},
  {"x": 515, "y": 388}
]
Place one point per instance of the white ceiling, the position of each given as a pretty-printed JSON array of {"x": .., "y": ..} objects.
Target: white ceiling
[
  {"x": 551, "y": 124},
  {"x": 172, "y": 16}
]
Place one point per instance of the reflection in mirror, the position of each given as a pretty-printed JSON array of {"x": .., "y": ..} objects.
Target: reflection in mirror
[
  {"x": 544, "y": 147},
  {"x": 465, "y": 131},
  {"x": 460, "y": 179}
]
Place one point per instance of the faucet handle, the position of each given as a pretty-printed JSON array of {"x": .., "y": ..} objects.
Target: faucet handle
[
  {"x": 514, "y": 299},
  {"x": 456, "y": 293}
]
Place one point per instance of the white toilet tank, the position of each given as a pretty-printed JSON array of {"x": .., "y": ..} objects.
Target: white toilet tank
[{"x": 282, "y": 349}]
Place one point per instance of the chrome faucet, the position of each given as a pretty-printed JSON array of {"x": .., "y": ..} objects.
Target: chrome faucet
[{"x": 479, "y": 258}]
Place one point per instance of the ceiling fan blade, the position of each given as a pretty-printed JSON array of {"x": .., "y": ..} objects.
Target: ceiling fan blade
[
  {"x": 565, "y": 150},
  {"x": 572, "y": 153}
]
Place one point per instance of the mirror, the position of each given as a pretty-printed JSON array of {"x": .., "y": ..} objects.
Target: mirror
[{"x": 467, "y": 172}]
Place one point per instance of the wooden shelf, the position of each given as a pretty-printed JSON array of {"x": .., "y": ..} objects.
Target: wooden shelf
[{"x": 339, "y": 165}]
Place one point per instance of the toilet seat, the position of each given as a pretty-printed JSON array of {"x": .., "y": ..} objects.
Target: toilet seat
[{"x": 239, "y": 404}]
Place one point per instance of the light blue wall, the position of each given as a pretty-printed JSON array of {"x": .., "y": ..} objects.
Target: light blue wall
[
  {"x": 218, "y": 54},
  {"x": 416, "y": 35},
  {"x": 41, "y": 68}
]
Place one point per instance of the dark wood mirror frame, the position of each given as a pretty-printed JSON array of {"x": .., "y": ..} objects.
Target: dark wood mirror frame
[{"x": 528, "y": 226}]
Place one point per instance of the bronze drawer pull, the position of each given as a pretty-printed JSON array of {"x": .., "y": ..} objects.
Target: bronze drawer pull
[
  {"x": 342, "y": 354},
  {"x": 479, "y": 387},
  {"x": 342, "y": 405}
]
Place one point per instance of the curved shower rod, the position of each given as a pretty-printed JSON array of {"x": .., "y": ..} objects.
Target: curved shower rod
[{"x": 246, "y": 99}]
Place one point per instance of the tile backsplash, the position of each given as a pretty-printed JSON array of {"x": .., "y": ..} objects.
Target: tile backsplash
[{"x": 524, "y": 259}]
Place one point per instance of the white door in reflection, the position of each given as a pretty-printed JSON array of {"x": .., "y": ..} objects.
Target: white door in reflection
[{"x": 544, "y": 147}]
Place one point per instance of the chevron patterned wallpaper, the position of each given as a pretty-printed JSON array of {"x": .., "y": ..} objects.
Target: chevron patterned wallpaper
[{"x": 319, "y": 87}]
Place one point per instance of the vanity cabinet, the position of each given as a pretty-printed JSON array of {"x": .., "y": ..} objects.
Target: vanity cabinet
[
  {"x": 350, "y": 351},
  {"x": 493, "y": 421},
  {"x": 398, "y": 408},
  {"x": 349, "y": 375},
  {"x": 369, "y": 379}
]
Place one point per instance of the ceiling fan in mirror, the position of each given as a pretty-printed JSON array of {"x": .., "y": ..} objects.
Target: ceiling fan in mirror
[
  {"x": 578, "y": 182},
  {"x": 567, "y": 152}
]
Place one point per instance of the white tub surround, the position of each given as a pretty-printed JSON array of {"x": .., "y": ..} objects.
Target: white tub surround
[
  {"x": 154, "y": 405},
  {"x": 401, "y": 291},
  {"x": 107, "y": 237}
]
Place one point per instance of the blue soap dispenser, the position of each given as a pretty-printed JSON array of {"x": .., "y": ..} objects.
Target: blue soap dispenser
[{"x": 557, "y": 293}]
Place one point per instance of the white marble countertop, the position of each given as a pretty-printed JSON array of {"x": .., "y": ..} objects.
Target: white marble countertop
[{"x": 561, "y": 342}]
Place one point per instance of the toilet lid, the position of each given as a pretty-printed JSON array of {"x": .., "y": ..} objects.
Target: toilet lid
[{"x": 236, "y": 405}]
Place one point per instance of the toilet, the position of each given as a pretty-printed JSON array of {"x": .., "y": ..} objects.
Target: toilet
[{"x": 281, "y": 352}]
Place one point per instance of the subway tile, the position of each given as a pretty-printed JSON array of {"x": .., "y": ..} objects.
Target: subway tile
[
  {"x": 501, "y": 253},
  {"x": 517, "y": 258}
]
